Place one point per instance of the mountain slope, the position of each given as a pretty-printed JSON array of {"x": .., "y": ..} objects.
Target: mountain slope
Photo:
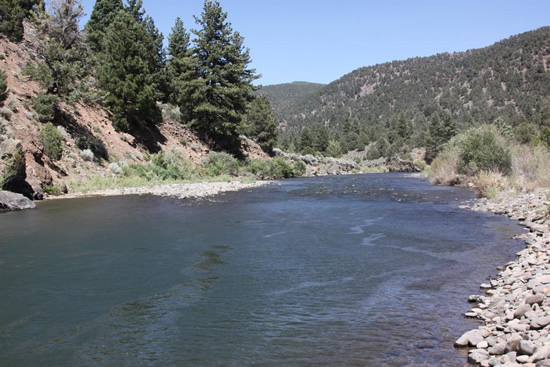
[
  {"x": 282, "y": 96},
  {"x": 509, "y": 79}
]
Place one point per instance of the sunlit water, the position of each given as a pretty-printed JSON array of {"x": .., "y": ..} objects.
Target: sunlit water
[{"x": 369, "y": 270}]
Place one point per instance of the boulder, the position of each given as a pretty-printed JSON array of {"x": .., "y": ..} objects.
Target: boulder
[{"x": 14, "y": 201}]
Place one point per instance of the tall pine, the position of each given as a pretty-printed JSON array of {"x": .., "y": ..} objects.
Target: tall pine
[
  {"x": 126, "y": 73},
  {"x": 102, "y": 16},
  {"x": 182, "y": 68},
  {"x": 223, "y": 90}
]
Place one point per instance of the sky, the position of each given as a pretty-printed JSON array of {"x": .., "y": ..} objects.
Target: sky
[{"x": 322, "y": 40}]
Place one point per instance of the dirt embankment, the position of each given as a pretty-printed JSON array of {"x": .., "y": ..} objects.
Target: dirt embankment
[{"x": 24, "y": 167}]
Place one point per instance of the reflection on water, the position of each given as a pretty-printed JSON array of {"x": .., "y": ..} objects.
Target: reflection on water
[{"x": 360, "y": 270}]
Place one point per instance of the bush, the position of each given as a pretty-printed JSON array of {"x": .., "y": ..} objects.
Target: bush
[
  {"x": 525, "y": 132},
  {"x": 276, "y": 168},
  {"x": 221, "y": 164},
  {"x": 163, "y": 166},
  {"x": 52, "y": 141},
  {"x": 544, "y": 137},
  {"x": 483, "y": 149},
  {"x": 3, "y": 87},
  {"x": 44, "y": 105},
  {"x": 87, "y": 155}
]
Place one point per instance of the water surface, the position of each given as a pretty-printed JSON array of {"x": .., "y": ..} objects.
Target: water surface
[{"x": 367, "y": 270}]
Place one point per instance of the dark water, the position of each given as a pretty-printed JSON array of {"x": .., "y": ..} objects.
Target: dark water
[{"x": 367, "y": 270}]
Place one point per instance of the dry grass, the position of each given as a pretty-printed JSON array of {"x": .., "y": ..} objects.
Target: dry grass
[
  {"x": 530, "y": 167},
  {"x": 489, "y": 184},
  {"x": 444, "y": 169}
]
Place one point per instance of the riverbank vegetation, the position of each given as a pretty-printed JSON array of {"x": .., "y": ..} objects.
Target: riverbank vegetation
[
  {"x": 173, "y": 167},
  {"x": 492, "y": 159}
]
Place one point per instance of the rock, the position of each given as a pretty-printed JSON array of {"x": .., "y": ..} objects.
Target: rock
[
  {"x": 540, "y": 354},
  {"x": 471, "y": 337},
  {"x": 544, "y": 363},
  {"x": 537, "y": 298},
  {"x": 539, "y": 322},
  {"x": 482, "y": 345},
  {"x": 478, "y": 356},
  {"x": 526, "y": 347},
  {"x": 498, "y": 349},
  {"x": 512, "y": 345},
  {"x": 14, "y": 201},
  {"x": 521, "y": 311}
]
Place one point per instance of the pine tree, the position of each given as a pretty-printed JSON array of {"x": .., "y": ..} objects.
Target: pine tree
[
  {"x": 158, "y": 58},
  {"x": 259, "y": 124},
  {"x": 224, "y": 89},
  {"x": 126, "y": 74},
  {"x": 62, "y": 54},
  {"x": 3, "y": 87},
  {"x": 102, "y": 16},
  {"x": 182, "y": 68},
  {"x": 12, "y": 13}
]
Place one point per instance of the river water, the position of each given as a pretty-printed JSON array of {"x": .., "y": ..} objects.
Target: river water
[{"x": 366, "y": 270}]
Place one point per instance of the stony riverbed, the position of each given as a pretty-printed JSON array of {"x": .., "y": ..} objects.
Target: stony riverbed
[{"x": 515, "y": 306}]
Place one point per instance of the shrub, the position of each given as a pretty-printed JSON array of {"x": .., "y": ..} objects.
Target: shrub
[
  {"x": 87, "y": 155},
  {"x": 444, "y": 168},
  {"x": 44, "y": 105},
  {"x": 276, "y": 168},
  {"x": 52, "y": 141},
  {"x": 218, "y": 164},
  {"x": 544, "y": 137},
  {"x": 483, "y": 149},
  {"x": 6, "y": 113},
  {"x": 3, "y": 87},
  {"x": 163, "y": 166},
  {"x": 525, "y": 132}
]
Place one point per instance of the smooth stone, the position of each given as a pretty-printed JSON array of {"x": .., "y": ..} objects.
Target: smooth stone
[
  {"x": 526, "y": 347},
  {"x": 498, "y": 349},
  {"x": 482, "y": 345},
  {"x": 12, "y": 201},
  {"x": 512, "y": 345},
  {"x": 540, "y": 322},
  {"x": 521, "y": 311},
  {"x": 537, "y": 298},
  {"x": 540, "y": 354},
  {"x": 471, "y": 337},
  {"x": 478, "y": 356}
]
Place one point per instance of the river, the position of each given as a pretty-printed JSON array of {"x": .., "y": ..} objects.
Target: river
[{"x": 363, "y": 270}]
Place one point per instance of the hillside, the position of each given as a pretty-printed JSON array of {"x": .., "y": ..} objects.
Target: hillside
[
  {"x": 92, "y": 147},
  {"x": 283, "y": 96},
  {"x": 509, "y": 79}
]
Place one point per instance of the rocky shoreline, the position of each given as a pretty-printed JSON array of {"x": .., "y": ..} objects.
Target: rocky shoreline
[
  {"x": 515, "y": 306},
  {"x": 179, "y": 190}
]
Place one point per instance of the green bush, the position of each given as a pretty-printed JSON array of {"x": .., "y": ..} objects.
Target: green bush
[
  {"x": 221, "y": 164},
  {"x": 52, "y": 141},
  {"x": 544, "y": 137},
  {"x": 483, "y": 149},
  {"x": 276, "y": 168},
  {"x": 525, "y": 132},
  {"x": 44, "y": 105},
  {"x": 163, "y": 166},
  {"x": 3, "y": 87}
]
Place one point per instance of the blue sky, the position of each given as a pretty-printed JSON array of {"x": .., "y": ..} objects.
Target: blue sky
[{"x": 322, "y": 40}]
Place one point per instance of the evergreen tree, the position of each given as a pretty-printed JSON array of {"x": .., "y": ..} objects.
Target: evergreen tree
[
  {"x": 3, "y": 87},
  {"x": 158, "y": 58},
  {"x": 102, "y": 16},
  {"x": 12, "y": 13},
  {"x": 441, "y": 129},
  {"x": 182, "y": 67},
  {"x": 224, "y": 89},
  {"x": 259, "y": 124},
  {"x": 126, "y": 74},
  {"x": 62, "y": 54}
]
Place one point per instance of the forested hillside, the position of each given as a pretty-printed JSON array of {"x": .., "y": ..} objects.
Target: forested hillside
[
  {"x": 283, "y": 96},
  {"x": 394, "y": 103}
]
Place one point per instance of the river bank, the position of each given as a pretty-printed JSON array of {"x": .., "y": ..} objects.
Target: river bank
[
  {"x": 178, "y": 190},
  {"x": 515, "y": 306}
]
